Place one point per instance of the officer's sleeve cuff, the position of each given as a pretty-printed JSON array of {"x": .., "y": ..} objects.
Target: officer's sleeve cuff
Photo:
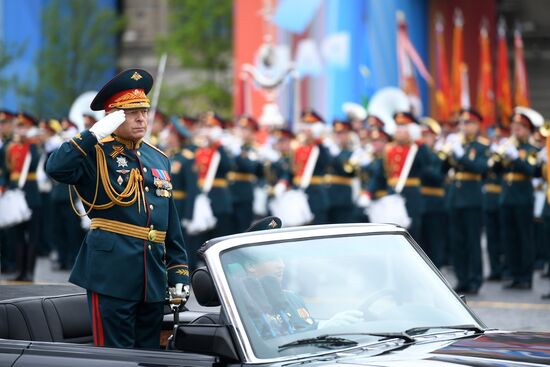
[
  {"x": 178, "y": 274},
  {"x": 84, "y": 142}
]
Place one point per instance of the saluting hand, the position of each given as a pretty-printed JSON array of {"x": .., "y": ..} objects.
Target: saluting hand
[{"x": 107, "y": 125}]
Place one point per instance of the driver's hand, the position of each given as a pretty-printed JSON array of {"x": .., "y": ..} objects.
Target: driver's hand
[{"x": 342, "y": 318}]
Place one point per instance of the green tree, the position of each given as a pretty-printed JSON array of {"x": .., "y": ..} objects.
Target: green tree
[
  {"x": 79, "y": 49},
  {"x": 8, "y": 54},
  {"x": 200, "y": 37}
]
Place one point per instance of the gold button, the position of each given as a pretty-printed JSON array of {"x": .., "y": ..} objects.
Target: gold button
[
  {"x": 139, "y": 154},
  {"x": 152, "y": 226},
  {"x": 149, "y": 247},
  {"x": 152, "y": 235},
  {"x": 147, "y": 188},
  {"x": 145, "y": 169},
  {"x": 151, "y": 206}
]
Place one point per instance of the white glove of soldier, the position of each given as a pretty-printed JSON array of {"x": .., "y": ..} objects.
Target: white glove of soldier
[
  {"x": 107, "y": 125},
  {"x": 542, "y": 156},
  {"x": 342, "y": 318},
  {"x": 458, "y": 150},
  {"x": 317, "y": 130},
  {"x": 511, "y": 151},
  {"x": 279, "y": 189},
  {"x": 180, "y": 291}
]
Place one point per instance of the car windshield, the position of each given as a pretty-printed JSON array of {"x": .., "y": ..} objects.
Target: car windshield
[{"x": 305, "y": 296}]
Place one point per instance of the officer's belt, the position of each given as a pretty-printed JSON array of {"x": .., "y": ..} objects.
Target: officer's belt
[
  {"x": 412, "y": 181},
  {"x": 315, "y": 180},
  {"x": 492, "y": 188},
  {"x": 218, "y": 182},
  {"x": 239, "y": 176},
  {"x": 432, "y": 191},
  {"x": 380, "y": 193},
  {"x": 513, "y": 176},
  {"x": 14, "y": 176},
  {"x": 178, "y": 194},
  {"x": 126, "y": 229},
  {"x": 467, "y": 176},
  {"x": 338, "y": 180}
]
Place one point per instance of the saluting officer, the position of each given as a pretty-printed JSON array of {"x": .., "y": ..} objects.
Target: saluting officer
[
  {"x": 517, "y": 161},
  {"x": 467, "y": 155},
  {"x": 135, "y": 245}
]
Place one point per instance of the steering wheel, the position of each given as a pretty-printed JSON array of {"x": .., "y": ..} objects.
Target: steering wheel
[{"x": 376, "y": 296}]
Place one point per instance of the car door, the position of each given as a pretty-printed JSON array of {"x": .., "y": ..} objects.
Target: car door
[
  {"x": 61, "y": 354},
  {"x": 10, "y": 350}
]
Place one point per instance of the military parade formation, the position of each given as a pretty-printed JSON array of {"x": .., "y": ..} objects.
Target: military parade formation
[{"x": 447, "y": 182}]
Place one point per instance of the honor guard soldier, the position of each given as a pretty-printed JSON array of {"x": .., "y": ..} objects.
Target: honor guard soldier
[
  {"x": 396, "y": 156},
  {"x": 277, "y": 168},
  {"x": 213, "y": 164},
  {"x": 22, "y": 158},
  {"x": 492, "y": 188},
  {"x": 311, "y": 159},
  {"x": 342, "y": 171},
  {"x": 244, "y": 174},
  {"x": 517, "y": 160},
  {"x": 7, "y": 249},
  {"x": 184, "y": 180},
  {"x": 432, "y": 187},
  {"x": 466, "y": 155},
  {"x": 135, "y": 245},
  {"x": 373, "y": 178}
]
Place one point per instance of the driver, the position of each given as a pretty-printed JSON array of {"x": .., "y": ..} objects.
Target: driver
[{"x": 275, "y": 311}]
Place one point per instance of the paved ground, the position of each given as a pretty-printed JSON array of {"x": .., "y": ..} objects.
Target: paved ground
[{"x": 499, "y": 308}]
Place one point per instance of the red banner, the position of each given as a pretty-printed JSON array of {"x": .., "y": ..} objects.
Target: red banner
[
  {"x": 443, "y": 87},
  {"x": 521, "y": 95},
  {"x": 485, "y": 94},
  {"x": 503, "y": 89}
]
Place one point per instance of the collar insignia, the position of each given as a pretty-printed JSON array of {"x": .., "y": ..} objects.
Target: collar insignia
[{"x": 136, "y": 76}]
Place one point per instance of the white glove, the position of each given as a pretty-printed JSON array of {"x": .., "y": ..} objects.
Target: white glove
[
  {"x": 332, "y": 147},
  {"x": 279, "y": 189},
  {"x": 458, "y": 150},
  {"x": 179, "y": 291},
  {"x": 317, "y": 130},
  {"x": 542, "y": 156},
  {"x": 342, "y": 318},
  {"x": 107, "y": 125},
  {"x": 364, "y": 200},
  {"x": 511, "y": 151}
]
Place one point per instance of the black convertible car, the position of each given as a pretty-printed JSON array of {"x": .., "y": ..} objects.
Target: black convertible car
[{"x": 346, "y": 295}]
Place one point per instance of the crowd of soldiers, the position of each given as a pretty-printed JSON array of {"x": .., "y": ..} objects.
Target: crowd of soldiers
[{"x": 456, "y": 181}]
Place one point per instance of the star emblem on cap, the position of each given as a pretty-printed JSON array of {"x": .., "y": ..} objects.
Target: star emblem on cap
[
  {"x": 273, "y": 224},
  {"x": 136, "y": 76}
]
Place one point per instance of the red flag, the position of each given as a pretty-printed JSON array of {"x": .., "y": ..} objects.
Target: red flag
[
  {"x": 521, "y": 95},
  {"x": 503, "y": 89},
  {"x": 457, "y": 61},
  {"x": 485, "y": 95},
  {"x": 443, "y": 88},
  {"x": 406, "y": 56}
]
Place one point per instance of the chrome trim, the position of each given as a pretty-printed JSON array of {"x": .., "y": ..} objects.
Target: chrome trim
[{"x": 212, "y": 257}]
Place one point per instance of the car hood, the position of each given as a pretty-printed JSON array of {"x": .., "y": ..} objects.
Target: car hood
[{"x": 489, "y": 349}]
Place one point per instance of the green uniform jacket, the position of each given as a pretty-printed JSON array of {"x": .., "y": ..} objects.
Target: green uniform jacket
[
  {"x": 114, "y": 264},
  {"x": 243, "y": 190},
  {"x": 432, "y": 183},
  {"x": 184, "y": 182},
  {"x": 340, "y": 195},
  {"x": 518, "y": 192},
  {"x": 467, "y": 193}
]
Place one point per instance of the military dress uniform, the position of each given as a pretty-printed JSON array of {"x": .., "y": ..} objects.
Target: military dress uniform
[
  {"x": 465, "y": 200},
  {"x": 25, "y": 236},
  {"x": 135, "y": 245},
  {"x": 7, "y": 249},
  {"x": 492, "y": 188},
  {"x": 185, "y": 189}
]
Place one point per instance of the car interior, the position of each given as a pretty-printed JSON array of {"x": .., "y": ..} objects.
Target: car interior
[{"x": 65, "y": 318}]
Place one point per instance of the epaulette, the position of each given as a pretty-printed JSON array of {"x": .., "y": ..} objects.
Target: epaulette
[
  {"x": 188, "y": 154},
  {"x": 155, "y": 148},
  {"x": 107, "y": 139},
  {"x": 483, "y": 140}
]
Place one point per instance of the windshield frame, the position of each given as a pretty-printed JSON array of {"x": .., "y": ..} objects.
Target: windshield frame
[{"x": 216, "y": 248}]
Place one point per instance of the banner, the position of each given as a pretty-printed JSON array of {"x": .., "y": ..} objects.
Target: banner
[
  {"x": 485, "y": 94},
  {"x": 457, "y": 62},
  {"x": 443, "y": 88},
  {"x": 503, "y": 89},
  {"x": 521, "y": 95},
  {"x": 406, "y": 57}
]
